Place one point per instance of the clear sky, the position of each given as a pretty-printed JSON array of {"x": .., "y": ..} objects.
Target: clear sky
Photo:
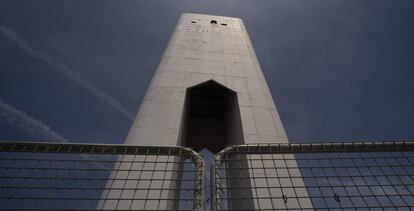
[{"x": 77, "y": 70}]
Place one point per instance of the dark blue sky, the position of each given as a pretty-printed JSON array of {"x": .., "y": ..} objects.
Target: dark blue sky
[{"x": 77, "y": 70}]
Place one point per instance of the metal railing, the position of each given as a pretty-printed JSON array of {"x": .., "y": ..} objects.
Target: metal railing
[
  {"x": 50, "y": 176},
  {"x": 321, "y": 176}
]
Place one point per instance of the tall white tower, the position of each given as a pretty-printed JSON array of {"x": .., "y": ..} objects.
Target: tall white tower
[{"x": 208, "y": 90}]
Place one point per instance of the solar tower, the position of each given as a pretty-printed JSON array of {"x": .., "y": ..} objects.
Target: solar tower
[{"x": 208, "y": 92}]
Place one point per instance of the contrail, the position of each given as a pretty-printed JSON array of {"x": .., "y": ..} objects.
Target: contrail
[
  {"x": 22, "y": 120},
  {"x": 75, "y": 76}
]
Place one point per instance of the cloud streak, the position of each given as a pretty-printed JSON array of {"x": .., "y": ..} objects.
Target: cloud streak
[
  {"x": 22, "y": 120},
  {"x": 64, "y": 69},
  {"x": 26, "y": 122}
]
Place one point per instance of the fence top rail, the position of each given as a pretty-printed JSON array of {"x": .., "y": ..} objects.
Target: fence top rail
[
  {"x": 122, "y": 149},
  {"x": 81, "y": 148},
  {"x": 318, "y": 147}
]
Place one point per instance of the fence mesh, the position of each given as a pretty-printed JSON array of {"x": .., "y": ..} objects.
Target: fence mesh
[
  {"x": 352, "y": 176},
  {"x": 99, "y": 177}
]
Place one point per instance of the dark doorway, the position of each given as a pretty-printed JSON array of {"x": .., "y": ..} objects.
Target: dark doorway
[{"x": 211, "y": 118}]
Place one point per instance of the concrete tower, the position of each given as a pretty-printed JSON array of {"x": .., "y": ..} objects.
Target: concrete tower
[{"x": 208, "y": 90}]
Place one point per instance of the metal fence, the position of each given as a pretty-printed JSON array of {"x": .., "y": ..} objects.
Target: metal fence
[
  {"x": 328, "y": 176},
  {"x": 324, "y": 176},
  {"x": 46, "y": 176}
]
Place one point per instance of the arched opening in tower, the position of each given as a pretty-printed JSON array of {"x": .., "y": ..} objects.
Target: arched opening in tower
[{"x": 211, "y": 118}]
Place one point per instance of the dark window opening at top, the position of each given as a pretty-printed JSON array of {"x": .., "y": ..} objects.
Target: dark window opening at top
[
  {"x": 193, "y": 22},
  {"x": 213, "y": 22},
  {"x": 224, "y": 24}
]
